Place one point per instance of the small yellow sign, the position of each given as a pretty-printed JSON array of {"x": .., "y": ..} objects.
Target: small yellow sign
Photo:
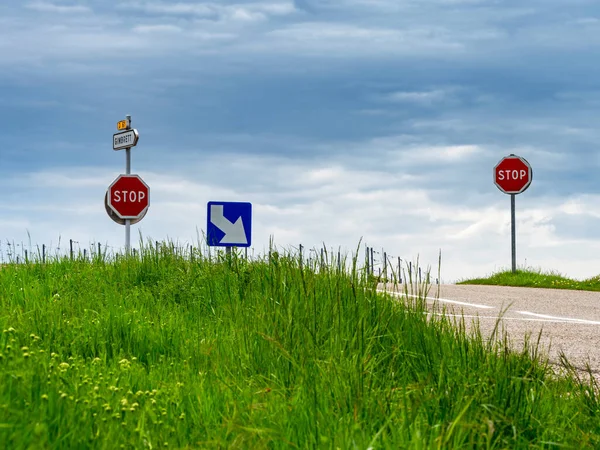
[{"x": 122, "y": 125}]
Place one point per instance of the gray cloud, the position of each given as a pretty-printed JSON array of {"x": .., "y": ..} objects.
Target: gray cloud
[
  {"x": 228, "y": 13},
  {"x": 313, "y": 203},
  {"x": 55, "y": 8}
]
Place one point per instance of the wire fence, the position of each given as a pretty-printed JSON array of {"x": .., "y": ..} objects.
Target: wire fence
[{"x": 377, "y": 264}]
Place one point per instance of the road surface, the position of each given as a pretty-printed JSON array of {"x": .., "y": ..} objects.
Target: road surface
[{"x": 569, "y": 320}]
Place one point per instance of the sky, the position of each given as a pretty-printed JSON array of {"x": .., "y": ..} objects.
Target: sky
[{"x": 342, "y": 121}]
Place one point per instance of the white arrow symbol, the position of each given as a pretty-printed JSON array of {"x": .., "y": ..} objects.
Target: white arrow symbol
[{"x": 234, "y": 232}]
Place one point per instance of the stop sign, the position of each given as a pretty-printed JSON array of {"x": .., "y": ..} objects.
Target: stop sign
[
  {"x": 513, "y": 174},
  {"x": 129, "y": 197}
]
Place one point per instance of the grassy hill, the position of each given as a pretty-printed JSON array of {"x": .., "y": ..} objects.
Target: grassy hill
[
  {"x": 536, "y": 278},
  {"x": 166, "y": 351}
]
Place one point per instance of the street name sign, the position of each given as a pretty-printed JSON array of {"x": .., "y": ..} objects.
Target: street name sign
[
  {"x": 229, "y": 224},
  {"x": 125, "y": 139},
  {"x": 513, "y": 174},
  {"x": 129, "y": 197}
]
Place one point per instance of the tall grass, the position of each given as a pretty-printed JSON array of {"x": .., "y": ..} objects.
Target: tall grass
[{"x": 173, "y": 350}]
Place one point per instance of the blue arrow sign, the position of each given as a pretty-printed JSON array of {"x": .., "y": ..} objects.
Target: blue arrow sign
[{"x": 229, "y": 224}]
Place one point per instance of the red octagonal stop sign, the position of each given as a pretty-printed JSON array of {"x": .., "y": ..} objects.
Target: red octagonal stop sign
[
  {"x": 128, "y": 196},
  {"x": 513, "y": 174}
]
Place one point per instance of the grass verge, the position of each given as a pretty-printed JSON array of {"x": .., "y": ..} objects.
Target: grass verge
[
  {"x": 167, "y": 351},
  {"x": 536, "y": 278}
]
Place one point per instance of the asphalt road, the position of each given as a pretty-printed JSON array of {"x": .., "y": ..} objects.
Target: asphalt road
[{"x": 569, "y": 320}]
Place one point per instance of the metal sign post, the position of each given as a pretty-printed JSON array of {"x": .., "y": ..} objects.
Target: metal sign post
[
  {"x": 128, "y": 205},
  {"x": 128, "y": 172},
  {"x": 513, "y": 233},
  {"x": 513, "y": 175}
]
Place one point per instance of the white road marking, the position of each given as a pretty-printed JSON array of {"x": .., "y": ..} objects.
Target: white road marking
[
  {"x": 540, "y": 317},
  {"x": 443, "y": 300},
  {"x": 513, "y": 318},
  {"x": 566, "y": 319}
]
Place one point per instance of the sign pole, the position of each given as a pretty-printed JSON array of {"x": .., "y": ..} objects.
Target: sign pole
[
  {"x": 513, "y": 233},
  {"x": 128, "y": 197},
  {"x": 513, "y": 175},
  {"x": 127, "y": 172}
]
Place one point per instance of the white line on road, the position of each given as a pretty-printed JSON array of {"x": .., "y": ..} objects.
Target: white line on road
[
  {"x": 515, "y": 318},
  {"x": 540, "y": 317},
  {"x": 566, "y": 319},
  {"x": 443, "y": 300}
]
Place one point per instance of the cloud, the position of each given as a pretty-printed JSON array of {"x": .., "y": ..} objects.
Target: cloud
[
  {"x": 419, "y": 157},
  {"x": 159, "y": 28},
  {"x": 281, "y": 31},
  {"x": 585, "y": 21},
  {"x": 84, "y": 178},
  {"x": 402, "y": 152},
  {"x": 172, "y": 8},
  {"x": 419, "y": 97},
  {"x": 457, "y": 152},
  {"x": 583, "y": 205},
  {"x": 274, "y": 35},
  {"x": 330, "y": 200},
  {"x": 59, "y": 9},
  {"x": 30, "y": 103},
  {"x": 339, "y": 39},
  {"x": 586, "y": 97},
  {"x": 243, "y": 12}
]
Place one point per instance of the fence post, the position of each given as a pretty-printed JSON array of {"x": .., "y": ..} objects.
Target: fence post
[
  {"x": 385, "y": 266},
  {"x": 44, "y": 253},
  {"x": 399, "y": 270},
  {"x": 71, "y": 248}
]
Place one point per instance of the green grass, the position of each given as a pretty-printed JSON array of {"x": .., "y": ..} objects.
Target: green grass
[
  {"x": 166, "y": 351},
  {"x": 536, "y": 278}
]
